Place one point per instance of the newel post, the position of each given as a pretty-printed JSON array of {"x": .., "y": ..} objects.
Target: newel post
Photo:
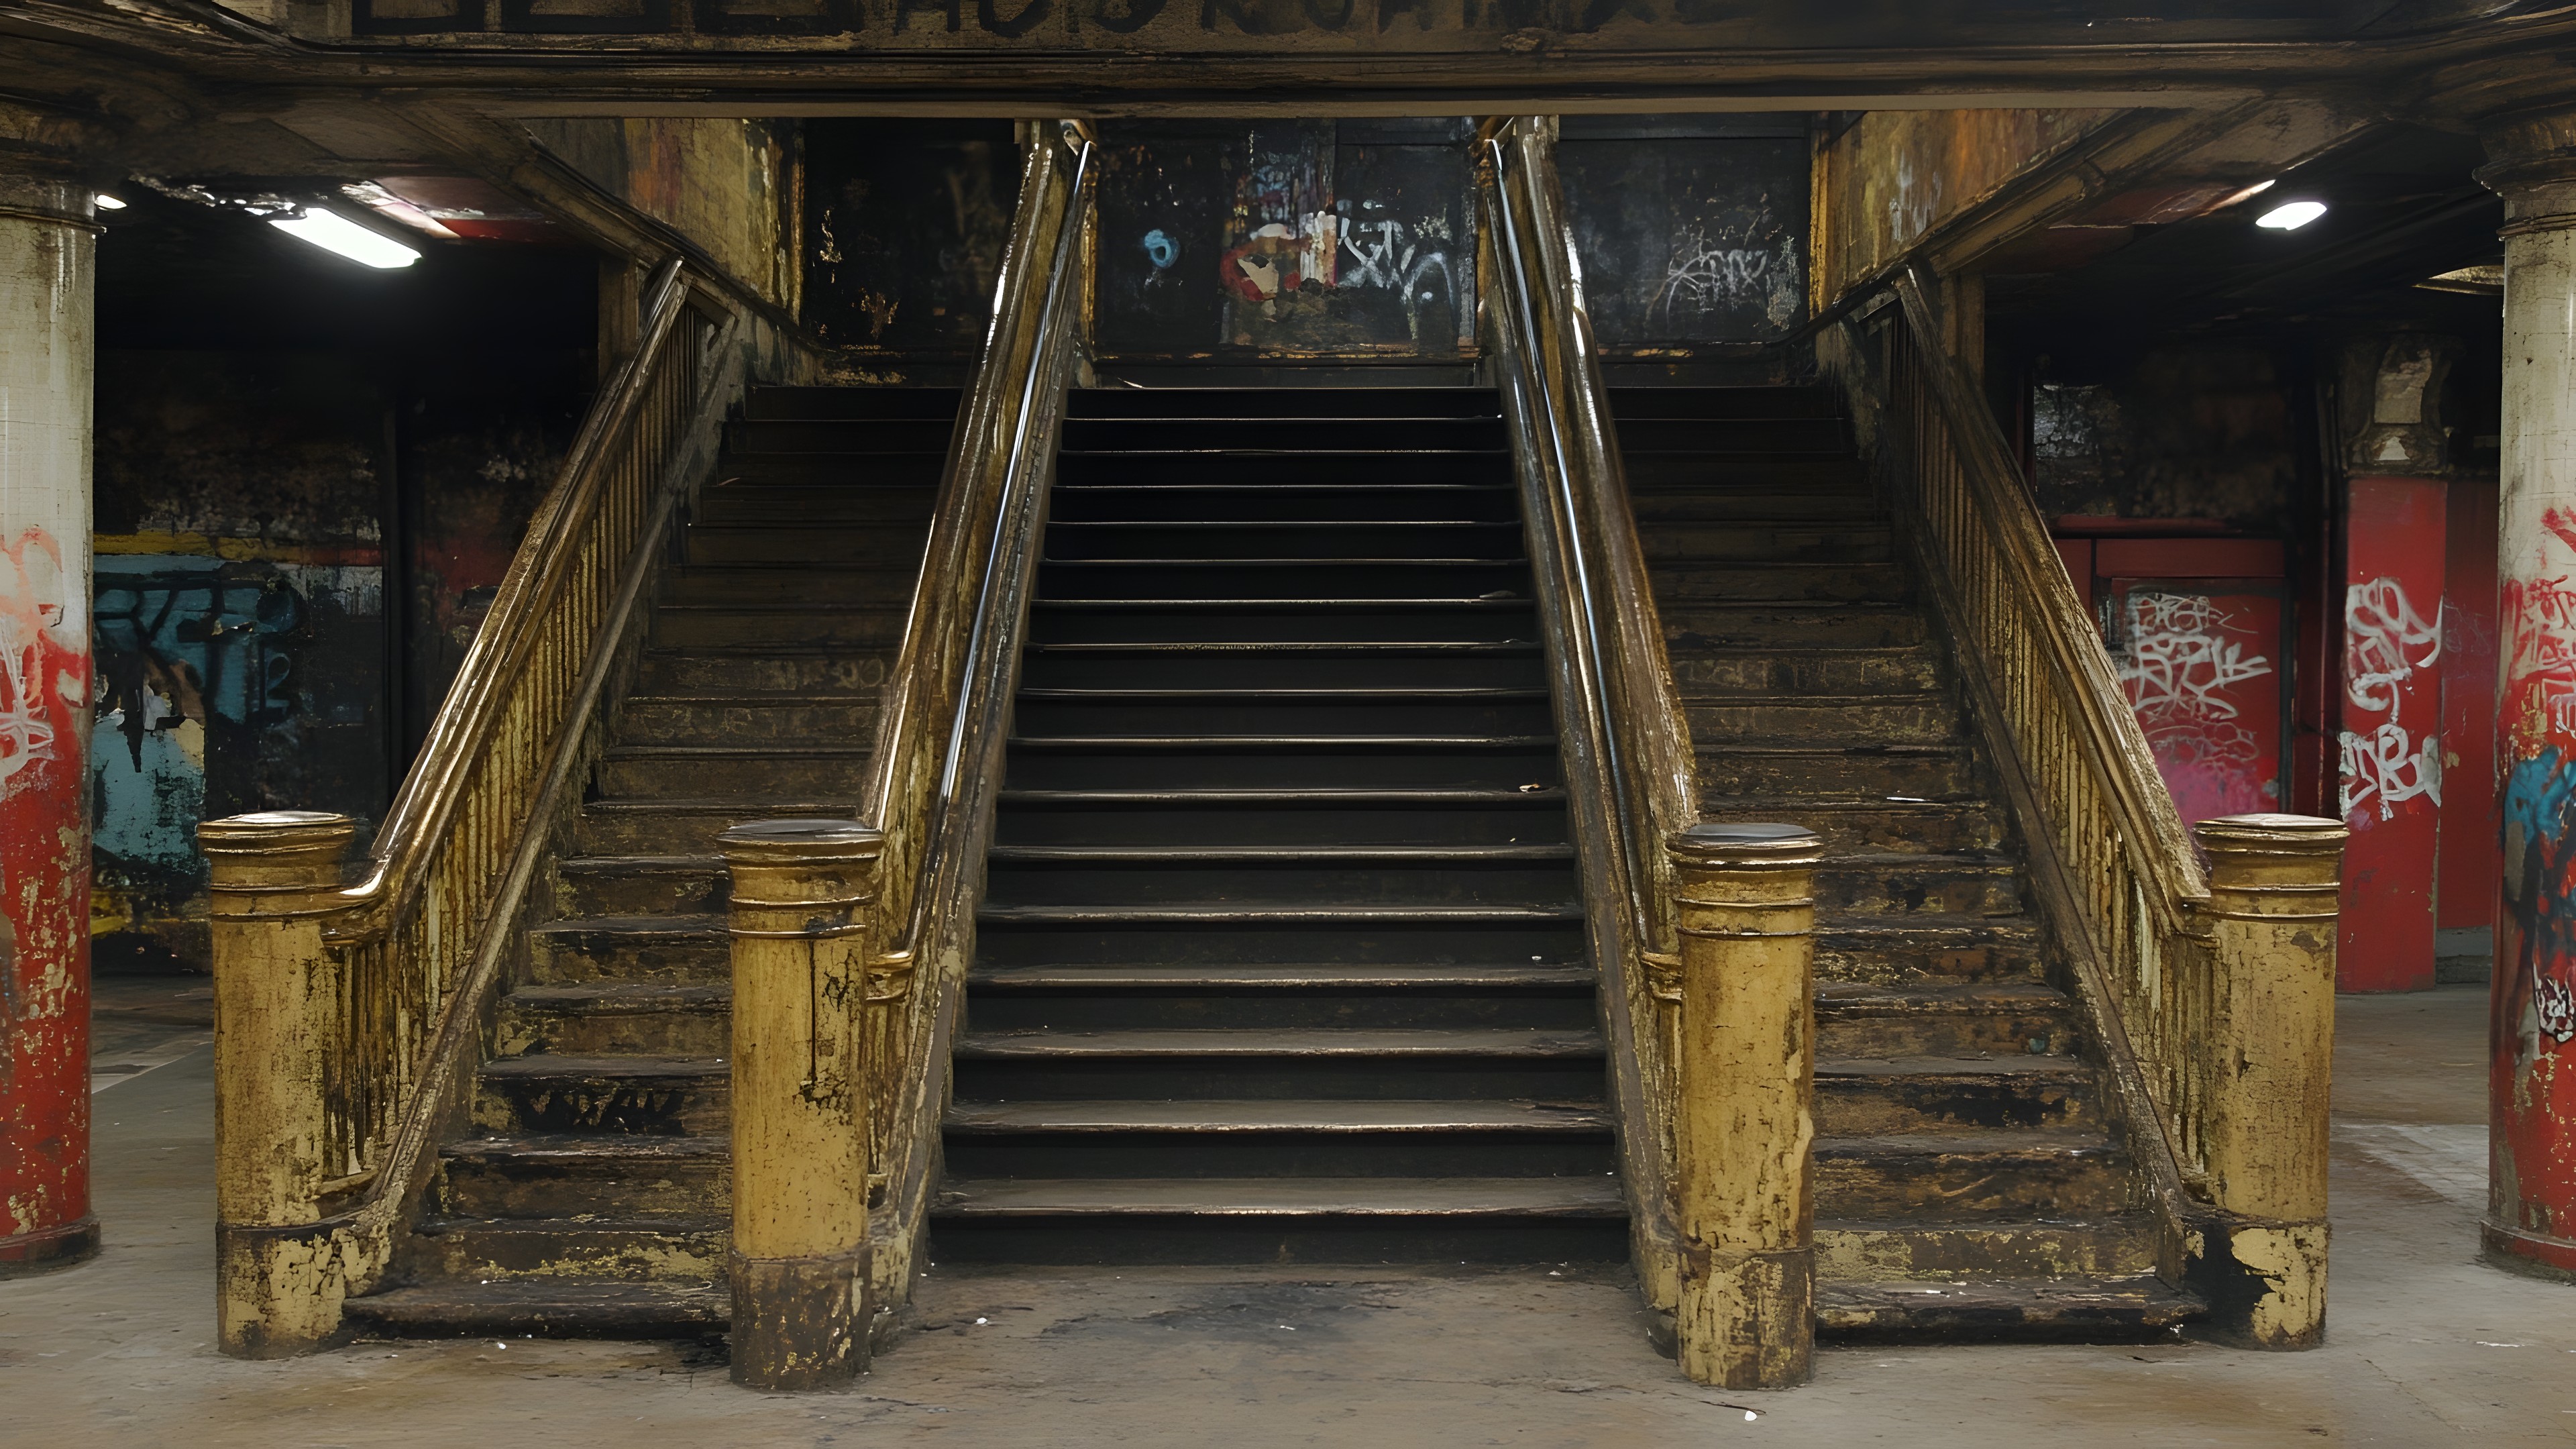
[
  {"x": 273, "y": 878},
  {"x": 804, "y": 893},
  {"x": 2274, "y": 884},
  {"x": 1744, "y": 1085}
]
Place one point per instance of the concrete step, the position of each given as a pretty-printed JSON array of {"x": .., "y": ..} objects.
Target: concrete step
[
  {"x": 1719, "y": 722},
  {"x": 2085, "y": 1309},
  {"x": 555, "y": 1306},
  {"x": 1806, "y": 669},
  {"x": 667, "y": 1249},
  {"x": 1891, "y": 1096},
  {"x": 647, "y": 1096},
  {"x": 1951, "y": 1255},
  {"x": 603, "y": 1019},
  {"x": 1979, "y": 1175},
  {"x": 578, "y": 1175}
]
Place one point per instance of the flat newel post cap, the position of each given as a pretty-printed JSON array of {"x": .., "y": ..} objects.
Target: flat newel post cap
[
  {"x": 262, "y": 831},
  {"x": 2272, "y": 834},
  {"x": 1735, "y": 845},
  {"x": 784, "y": 842}
]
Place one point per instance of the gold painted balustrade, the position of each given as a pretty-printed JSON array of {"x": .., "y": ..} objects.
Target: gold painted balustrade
[
  {"x": 413, "y": 953},
  {"x": 2183, "y": 994}
]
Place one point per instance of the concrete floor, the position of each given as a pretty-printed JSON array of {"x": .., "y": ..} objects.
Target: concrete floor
[{"x": 2426, "y": 1345}]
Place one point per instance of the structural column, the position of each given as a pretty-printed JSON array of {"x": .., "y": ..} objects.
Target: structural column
[
  {"x": 1744, "y": 1089},
  {"x": 804, "y": 892},
  {"x": 47, "y": 356},
  {"x": 2531, "y": 1077}
]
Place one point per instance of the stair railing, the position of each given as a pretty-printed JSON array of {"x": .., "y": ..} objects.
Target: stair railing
[
  {"x": 931, "y": 787},
  {"x": 2216, "y": 1016},
  {"x": 1626, "y": 744},
  {"x": 350, "y": 1020}
]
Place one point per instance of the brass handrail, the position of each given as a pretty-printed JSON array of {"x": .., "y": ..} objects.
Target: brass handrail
[
  {"x": 1626, "y": 741},
  {"x": 932, "y": 779},
  {"x": 419, "y": 942},
  {"x": 2117, "y": 881}
]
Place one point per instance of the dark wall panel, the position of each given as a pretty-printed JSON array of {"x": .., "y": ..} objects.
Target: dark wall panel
[
  {"x": 1688, "y": 241},
  {"x": 905, "y": 226}
]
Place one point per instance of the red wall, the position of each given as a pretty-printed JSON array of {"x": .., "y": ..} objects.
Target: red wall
[
  {"x": 2472, "y": 818},
  {"x": 2394, "y": 560}
]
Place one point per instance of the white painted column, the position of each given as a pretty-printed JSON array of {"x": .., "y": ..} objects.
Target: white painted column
[{"x": 48, "y": 356}]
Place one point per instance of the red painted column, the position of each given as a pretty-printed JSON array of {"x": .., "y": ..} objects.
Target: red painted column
[
  {"x": 47, "y": 353},
  {"x": 2531, "y": 1067},
  {"x": 2391, "y": 770},
  {"x": 2466, "y": 887}
]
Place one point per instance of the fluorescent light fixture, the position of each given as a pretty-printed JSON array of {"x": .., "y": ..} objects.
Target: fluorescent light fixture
[
  {"x": 2291, "y": 215},
  {"x": 110, "y": 203},
  {"x": 333, "y": 232}
]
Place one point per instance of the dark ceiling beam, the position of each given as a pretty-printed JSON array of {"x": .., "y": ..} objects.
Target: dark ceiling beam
[{"x": 616, "y": 75}]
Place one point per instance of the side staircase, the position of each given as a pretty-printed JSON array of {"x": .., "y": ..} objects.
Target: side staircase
[
  {"x": 1966, "y": 1179},
  {"x": 593, "y": 1193},
  {"x": 1282, "y": 957}
]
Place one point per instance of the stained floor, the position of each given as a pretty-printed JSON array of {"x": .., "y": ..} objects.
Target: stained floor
[{"x": 2427, "y": 1345}]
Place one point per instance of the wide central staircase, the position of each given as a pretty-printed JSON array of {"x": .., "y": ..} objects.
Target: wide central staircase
[{"x": 1282, "y": 956}]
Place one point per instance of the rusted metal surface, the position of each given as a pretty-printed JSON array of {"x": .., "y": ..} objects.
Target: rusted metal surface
[
  {"x": 415, "y": 947},
  {"x": 2125, "y": 892},
  {"x": 1626, "y": 744},
  {"x": 1745, "y": 1081},
  {"x": 804, "y": 892},
  {"x": 47, "y": 246}
]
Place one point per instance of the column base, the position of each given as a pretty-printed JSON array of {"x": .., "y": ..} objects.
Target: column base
[
  {"x": 67, "y": 1246},
  {"x": 799, "y": 1323},
  {"x": 2520, "y": 1250}
]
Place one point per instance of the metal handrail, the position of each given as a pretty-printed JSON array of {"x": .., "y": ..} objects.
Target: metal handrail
[
  {"x": 1627, "y": 742},
  {"x": 931, "y": 784},
  {"x": 399, "y": 862}
]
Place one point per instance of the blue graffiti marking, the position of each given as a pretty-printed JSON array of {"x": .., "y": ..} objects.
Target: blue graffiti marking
[{"x": 1161, "y": 250}]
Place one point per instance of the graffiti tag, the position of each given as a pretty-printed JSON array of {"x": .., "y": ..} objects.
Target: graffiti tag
[{"x": 2382, "y": 763}]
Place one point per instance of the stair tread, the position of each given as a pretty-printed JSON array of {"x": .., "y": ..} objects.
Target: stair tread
[
  {"x": 1290, "y": 694},
  {"x": 1282, "y": 742},
  {"x": 1280, "y": 913},
  {"x": 1390, "y": 795},
  {"x": 694, "y": 926},
  {"x": 1966, "y": 996},
  {"x": 673, "y": 1224},
  {"x": 2022, "y": 1142},
  {"x": 2141, "y": 1300},
  {"x": 1212, "y": 1117},
  {"x": 1288, "y": 977},
  {"x": 721, "y": 804},
  {"x": 1284, "y": 1042},
  {"x": 624, "y": 1150},
  {"x": 1287, "y": 1197},
  {"x": 624, "y": 995},
  {"x": 1276, "y": 855},
  {"x": 1196, "y": 605},
  {"x": 797, "y": 749},
  {"x": 1375, "y": 650},
  {"x": 2024, "y": 1065},
  {"x": 547, "y": 1301},
  {"x": 546, "y": 1065}
]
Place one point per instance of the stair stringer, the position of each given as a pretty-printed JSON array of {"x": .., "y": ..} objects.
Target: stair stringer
[{"x": 2185, "y": 1227}]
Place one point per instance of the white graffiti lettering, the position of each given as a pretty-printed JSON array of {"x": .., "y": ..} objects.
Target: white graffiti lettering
[
  {"x": 2180, "y": 663},
  {"x": 2383, "y": 763}
]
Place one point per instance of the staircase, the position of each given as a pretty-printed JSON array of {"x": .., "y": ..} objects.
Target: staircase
[
  {"x": 1967, "y": 1181},
  {"x": 1282, "y": 957},
  {"x": 592, "y": 1194}
]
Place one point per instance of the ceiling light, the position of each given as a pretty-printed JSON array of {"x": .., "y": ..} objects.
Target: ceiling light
[
  {"x": 110, "y": 203},
  {"x": 333, "y": 232},
  {"x": 2291, "y": 215}
]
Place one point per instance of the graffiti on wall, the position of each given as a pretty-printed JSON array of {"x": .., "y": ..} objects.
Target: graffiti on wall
[
  {"x": 2389, "y": 650},
  {"x": 2538, "y": 721},
  {"x": 44, "y": 676},
  {"x": 2206, "y": 694}
]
